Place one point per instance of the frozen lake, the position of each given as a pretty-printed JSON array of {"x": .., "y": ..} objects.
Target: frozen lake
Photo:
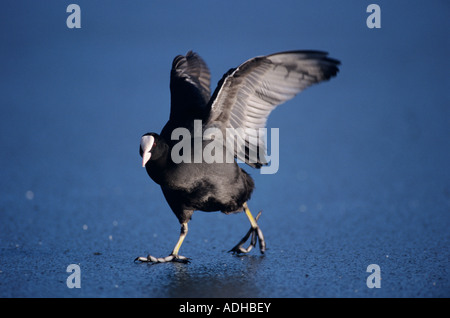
[{"x": 364, "y": 172}]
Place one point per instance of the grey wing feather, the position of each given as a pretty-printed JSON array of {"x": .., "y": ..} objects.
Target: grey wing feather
[{"x": 246, "y": 96}]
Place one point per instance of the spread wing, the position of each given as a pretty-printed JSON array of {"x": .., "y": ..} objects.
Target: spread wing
[
  {"x": 189, "y": 88},
  {"x": 246, "y": 95}
]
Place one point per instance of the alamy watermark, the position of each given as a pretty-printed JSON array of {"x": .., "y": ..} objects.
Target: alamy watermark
[
  {"x": 243, "y": 143},
  {"x": 73, "y": 21},
  {"x": 74, "y": 279},
  {"x": 373, "y": 21},
  {"x": 374, "y": 279}
]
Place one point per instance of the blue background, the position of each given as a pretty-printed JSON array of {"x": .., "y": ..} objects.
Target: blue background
[{"x": 364, "y": 172}]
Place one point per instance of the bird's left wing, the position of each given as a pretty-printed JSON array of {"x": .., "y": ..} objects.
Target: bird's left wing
[{"x": 245, "y": 96}]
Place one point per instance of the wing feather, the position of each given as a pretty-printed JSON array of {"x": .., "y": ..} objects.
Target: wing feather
[
  {"x": 247, "y": 95},
  {"x": 189, "y": 87}
]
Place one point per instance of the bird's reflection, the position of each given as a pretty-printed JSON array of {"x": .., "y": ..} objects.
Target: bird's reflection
[{"x": 214, "y": 279}]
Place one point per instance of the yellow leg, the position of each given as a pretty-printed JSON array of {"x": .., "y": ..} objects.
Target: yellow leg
[
  {"x": 183, "y": 233},
  {"x": 250, "y": 216}
]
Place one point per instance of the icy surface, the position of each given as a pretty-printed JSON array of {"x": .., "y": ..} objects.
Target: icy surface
[{"x": 364, "y": 172}]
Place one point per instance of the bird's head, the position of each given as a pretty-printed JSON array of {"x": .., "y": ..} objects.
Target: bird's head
[{"x": 148, "y": 146}]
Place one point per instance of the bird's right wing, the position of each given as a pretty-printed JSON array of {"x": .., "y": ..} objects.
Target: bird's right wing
[
  {"x": 246, "y": 96},
  {"x": 189, "y": 88}
]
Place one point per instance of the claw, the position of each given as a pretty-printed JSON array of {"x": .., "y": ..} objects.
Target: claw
[
  {"x": 262, "y": 242},
  {"x": 256, "y": 234},
  {"x": 170, "y": 258}
]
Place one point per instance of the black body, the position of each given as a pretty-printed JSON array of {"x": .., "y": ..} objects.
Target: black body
[{"x": 190, "y": 187}]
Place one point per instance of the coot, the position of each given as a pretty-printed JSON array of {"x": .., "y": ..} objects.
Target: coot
[{"x": 190, "y": 158}]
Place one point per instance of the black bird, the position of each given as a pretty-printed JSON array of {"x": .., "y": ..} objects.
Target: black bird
[{"x": 242, "y": 102}]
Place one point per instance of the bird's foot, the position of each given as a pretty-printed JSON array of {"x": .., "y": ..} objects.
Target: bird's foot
[
  {"x": 155, "y": 260},
  {"x": 256, "y": 234}
]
